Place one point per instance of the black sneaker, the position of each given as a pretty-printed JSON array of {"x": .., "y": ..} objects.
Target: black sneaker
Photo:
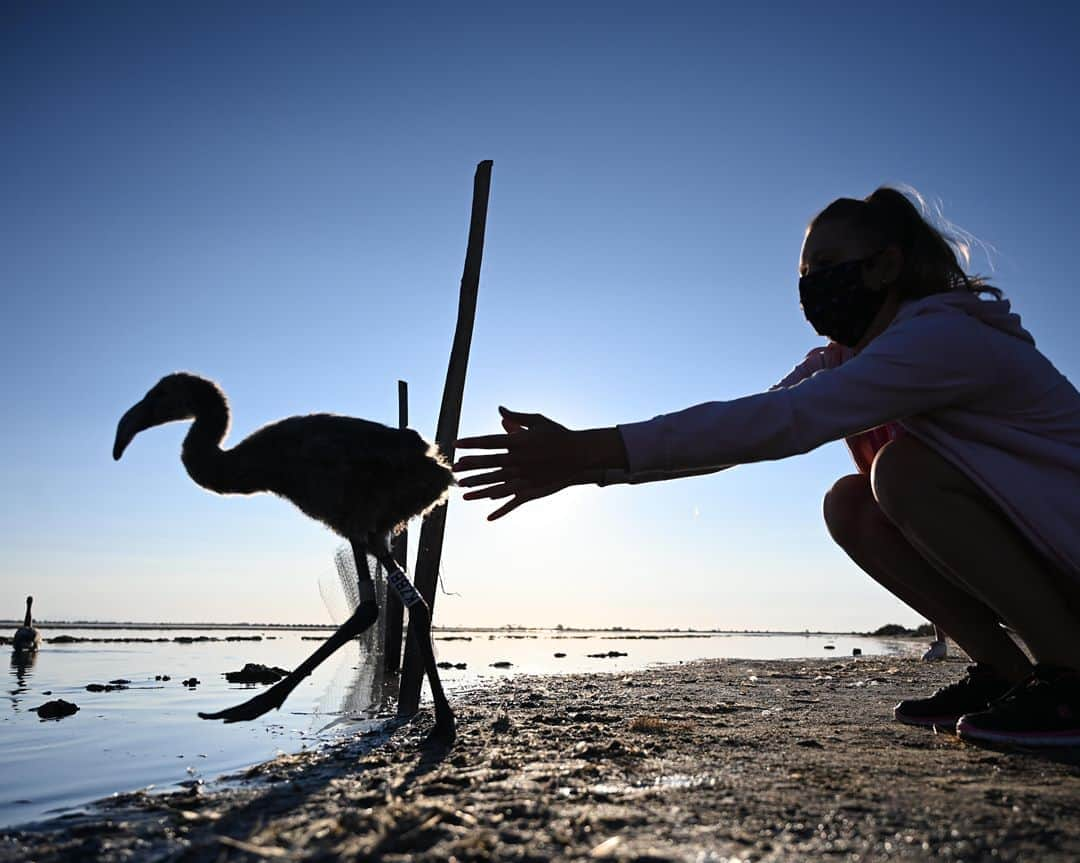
[
  {"x": 970, "y": 694},
  {"x": 1044, "y": 710}
]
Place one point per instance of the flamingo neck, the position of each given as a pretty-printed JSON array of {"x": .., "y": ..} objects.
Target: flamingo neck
[
  {"x": 202, "y": 455},
  {"x": 27, "y": 622}
]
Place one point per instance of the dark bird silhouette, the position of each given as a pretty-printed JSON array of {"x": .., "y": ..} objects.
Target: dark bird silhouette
[
  {"x": 26, "y": 637},
  {"x": 361, "y": 479}
]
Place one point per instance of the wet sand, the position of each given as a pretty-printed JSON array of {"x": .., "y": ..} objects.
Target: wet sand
[{"x": 721, "y": 759}]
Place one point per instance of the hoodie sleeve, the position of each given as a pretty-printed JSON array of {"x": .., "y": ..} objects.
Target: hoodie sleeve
[
  {"x": 917, "y": 365},
  {"x": 816, "y": 360}
]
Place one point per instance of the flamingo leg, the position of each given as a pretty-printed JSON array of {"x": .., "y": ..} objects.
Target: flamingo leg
[
  {"x": 367, "y": 612},
  {"x": 420, "y": 626}
]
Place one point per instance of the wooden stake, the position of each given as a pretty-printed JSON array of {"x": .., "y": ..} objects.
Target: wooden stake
[
  {"x": 434, "y": 526},
  {"x": 393, "y": 608}
]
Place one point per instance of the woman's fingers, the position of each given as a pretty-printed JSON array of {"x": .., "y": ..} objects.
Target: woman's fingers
[
  {"x": 480, "y": 462},
  {"x": 494, "y": 492},
  {"x": 508, "y": 508},
  {"x": 487, "y": 441},
  {"x": 512, "y": 426},
  {"x": 489, "y": 478},
  {"x": 524, "y": 494},
  {"x": 527, "y": 421}
]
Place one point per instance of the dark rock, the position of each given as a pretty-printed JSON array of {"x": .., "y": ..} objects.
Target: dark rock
[
  {"x": 461, "y": 666},
  {"x": 162, "y": 677},
  {"x": 502, "y": 664},
  {"x": 56, "y": 709},
  {"x": 856, "y": 651},
  {"x": 191, "y": 682},
  {"x": 611, "y": 654},
  {"x": 560, "y": 655},
  {"x": 119, "y": 682},
  {"x": 830, "y": 647},
  {"x": 444, "y": 665},
  {"x": 254, "y": 673},
  {"x": 104, "y": 687}
]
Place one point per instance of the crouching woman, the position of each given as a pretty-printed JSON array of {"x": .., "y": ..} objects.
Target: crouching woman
[{"x": 968, "y": 509}]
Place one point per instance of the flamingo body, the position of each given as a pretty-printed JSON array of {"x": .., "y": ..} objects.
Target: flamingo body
[{"x": 359, "y": 478}]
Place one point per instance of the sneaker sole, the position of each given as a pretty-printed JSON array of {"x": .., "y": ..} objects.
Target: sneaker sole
[
  {"x": 926, "y": 721},
  {"x": 967, "y": 731}
]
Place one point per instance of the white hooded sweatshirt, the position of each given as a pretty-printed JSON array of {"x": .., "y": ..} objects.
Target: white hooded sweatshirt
[{"x": 957, "y": 372}]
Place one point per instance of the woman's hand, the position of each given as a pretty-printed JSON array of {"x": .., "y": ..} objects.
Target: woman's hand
[{"x": 541, "y": 457}]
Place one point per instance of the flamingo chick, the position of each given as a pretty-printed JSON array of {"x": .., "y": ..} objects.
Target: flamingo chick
[
  {"x": 361, "y": 479},
  {"x": 26, "y": 637}
]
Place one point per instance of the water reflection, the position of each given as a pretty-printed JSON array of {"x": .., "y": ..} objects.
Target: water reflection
[
  {"x": 22, "y": 661},
  {"x": 361, "y": 694}
]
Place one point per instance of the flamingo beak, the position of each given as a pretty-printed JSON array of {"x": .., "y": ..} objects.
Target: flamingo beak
[{"x": 139, "y": 417}]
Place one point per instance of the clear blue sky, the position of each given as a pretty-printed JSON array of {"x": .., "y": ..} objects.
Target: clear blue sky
[{"x": 276, "y": 196}]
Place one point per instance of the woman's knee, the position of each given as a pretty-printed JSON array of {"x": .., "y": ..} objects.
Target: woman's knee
[
  {"x": 900, "y": 477},
  {"x": 844, "y": 508}
]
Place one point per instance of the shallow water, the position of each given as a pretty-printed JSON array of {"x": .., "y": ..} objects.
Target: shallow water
[{"x": 149, "y": 734}]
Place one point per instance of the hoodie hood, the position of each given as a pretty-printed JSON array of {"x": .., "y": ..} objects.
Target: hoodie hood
[{"x": 994, "y": 313}]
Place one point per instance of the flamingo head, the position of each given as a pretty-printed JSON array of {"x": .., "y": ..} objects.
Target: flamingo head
[{"x": 172, "y": 398}]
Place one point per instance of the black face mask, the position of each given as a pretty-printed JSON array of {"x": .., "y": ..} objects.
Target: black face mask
[{"x": 837, "y": 302}]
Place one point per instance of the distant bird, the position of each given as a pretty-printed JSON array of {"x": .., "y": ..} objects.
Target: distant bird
[
  {"x": 26, "y": 637},
  {"x": 359, "y": 478}
]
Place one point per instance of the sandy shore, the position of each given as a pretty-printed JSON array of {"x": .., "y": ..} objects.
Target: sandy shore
[{"x": 717, "y": 760}]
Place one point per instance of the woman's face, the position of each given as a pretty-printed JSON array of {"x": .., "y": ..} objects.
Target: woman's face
[
  {"x": 828, "y": 243},
  {"x": 833, "y": 242}
]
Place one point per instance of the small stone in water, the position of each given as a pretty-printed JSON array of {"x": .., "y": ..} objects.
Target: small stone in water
[
  {"x": 104, "y": 687},
  {"x": 191, "y": 681},
  {"x": 502, "y": 664},
  {"x": 253, "y": 672},
  {"x": 56, "y": 709}
]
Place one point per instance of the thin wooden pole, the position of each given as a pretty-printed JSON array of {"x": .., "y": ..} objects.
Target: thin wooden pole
[
  {"x": 434, "y": 526},
  {"x": 394, "y": 609}
]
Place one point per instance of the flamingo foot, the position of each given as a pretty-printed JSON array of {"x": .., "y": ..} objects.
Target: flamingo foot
[
  {"x": 441, "y": 738},
  {"x": 362, "y": 619},
  {"x": 255, "y": 707}
]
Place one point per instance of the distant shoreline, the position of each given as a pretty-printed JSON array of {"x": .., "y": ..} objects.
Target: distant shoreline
[{"x": 329, "y": 627}]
